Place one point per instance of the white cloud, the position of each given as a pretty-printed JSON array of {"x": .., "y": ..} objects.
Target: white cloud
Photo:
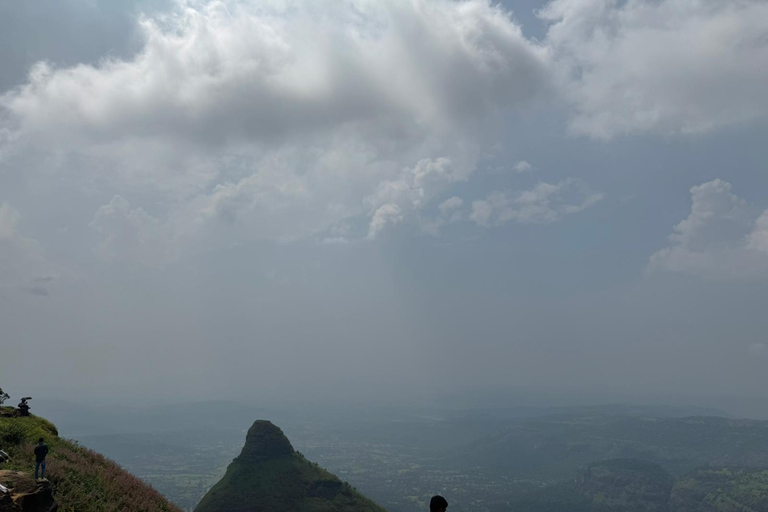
[
  {"x": 758, "y": 238},
  {"x": 450, "y": 205},
  {"x": 279, "y": 120},
  {"x": 481, "y": 212},
  {"x": 669, "y": 66},
  {"x": 385, "y": 214},
  {"x": 284, "y": 118},
  {"x": 523, "y": 166},
  {"x": 719, "y": 239},
  {"x": 543, "y": 204},
  {"x": 416, "y": 186}
]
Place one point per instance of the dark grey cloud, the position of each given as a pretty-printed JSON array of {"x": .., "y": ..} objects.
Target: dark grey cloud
[{"x": 40, "y": 291}]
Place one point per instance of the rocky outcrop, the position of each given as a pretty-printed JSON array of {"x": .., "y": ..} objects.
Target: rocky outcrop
[
  {"x": 265, "y": 441},
  {"x": 25, "y": 494}
]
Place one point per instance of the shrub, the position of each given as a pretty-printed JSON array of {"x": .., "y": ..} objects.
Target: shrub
[{"x": 13, "y": 434}]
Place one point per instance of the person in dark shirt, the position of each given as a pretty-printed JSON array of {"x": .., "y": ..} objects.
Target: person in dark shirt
[
  {"x": 437, "y": 504},
  {"x": 24, "y": 407},
  {"x": 41, "y": 450}
]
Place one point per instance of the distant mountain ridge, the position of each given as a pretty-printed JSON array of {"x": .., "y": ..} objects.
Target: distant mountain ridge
[
  {"x": 270, "y": 476},
  {"x": 555, "y": 447}
]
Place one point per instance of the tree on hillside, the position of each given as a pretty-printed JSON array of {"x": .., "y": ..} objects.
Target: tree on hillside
[{"x": 3, "y": 396}]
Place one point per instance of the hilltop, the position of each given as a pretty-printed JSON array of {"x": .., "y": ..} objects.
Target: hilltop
[
  {"x": 269, "y": 475},
  {"x": 80, "y": 479}
]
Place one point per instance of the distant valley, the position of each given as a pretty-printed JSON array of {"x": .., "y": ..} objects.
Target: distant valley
[{"x": 485, "y": 460}]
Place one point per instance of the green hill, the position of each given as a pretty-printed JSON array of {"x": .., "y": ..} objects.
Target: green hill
[
  {"x": 721, "y": 489},
  {"x": 270, "y": 476},
  {"x": 81, "y": 479}
]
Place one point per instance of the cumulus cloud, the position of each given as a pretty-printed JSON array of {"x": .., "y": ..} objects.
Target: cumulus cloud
[
  {"x": 481, "y": 212},
  {"x": 279, "y": 120},
  {"x": 668, "y": 66},
  {"x": 288, "y": 117},
  {"x": 758, "y": 238},
  {"x": 385, "y": 214},
  {"x": 451, "y": 205},
  {"x": 416, "y": 186},
  {"x": 721, "y": 238},
  {"x": 543, "y": 204},
  {"x": 523, "y": 166}
]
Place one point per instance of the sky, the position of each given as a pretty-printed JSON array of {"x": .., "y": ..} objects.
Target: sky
[{"x": 384, "y": 200}]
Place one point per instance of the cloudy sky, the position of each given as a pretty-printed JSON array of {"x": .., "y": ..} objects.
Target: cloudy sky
[{"x": 372, "y": 200}]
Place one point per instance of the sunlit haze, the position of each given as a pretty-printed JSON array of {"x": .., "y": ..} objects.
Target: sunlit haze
[{"x": 397, "y": 202}]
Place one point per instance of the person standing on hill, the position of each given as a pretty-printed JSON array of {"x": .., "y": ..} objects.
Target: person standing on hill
[
  {"x": 437, "y": 504},
  {"x": 41, "y": 450}
]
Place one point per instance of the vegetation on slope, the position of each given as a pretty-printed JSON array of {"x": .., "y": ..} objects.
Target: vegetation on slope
[
  {"x": 82, "y": 480},
  {"x": 269, "y": 475},
  {"x": 721, "y": 489}
]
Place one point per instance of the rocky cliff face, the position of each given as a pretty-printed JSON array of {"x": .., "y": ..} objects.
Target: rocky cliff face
[
  {"x": 265, "y": 441},
  {"x": 25, "y": 494}
]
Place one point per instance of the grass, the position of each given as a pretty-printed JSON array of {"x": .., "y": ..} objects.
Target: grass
[{"x": 82, "y": 480}]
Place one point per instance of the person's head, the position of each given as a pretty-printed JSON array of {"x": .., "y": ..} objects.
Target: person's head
[
  {"x": 437, "y": 504},
  {"x": 41, "y": 440}
]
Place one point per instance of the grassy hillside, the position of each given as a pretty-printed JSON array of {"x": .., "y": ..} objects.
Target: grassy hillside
[
  {"x": 270, "y": 476},
  {"x": 82, "y": 480}
]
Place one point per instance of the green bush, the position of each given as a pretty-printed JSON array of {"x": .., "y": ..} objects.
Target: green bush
[{"x": 12, "y": 435}]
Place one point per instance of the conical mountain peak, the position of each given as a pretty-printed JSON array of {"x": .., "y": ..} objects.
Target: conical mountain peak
[
  {"x": 265, "y": 440},
  {"x": 270, "y": 476}
]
